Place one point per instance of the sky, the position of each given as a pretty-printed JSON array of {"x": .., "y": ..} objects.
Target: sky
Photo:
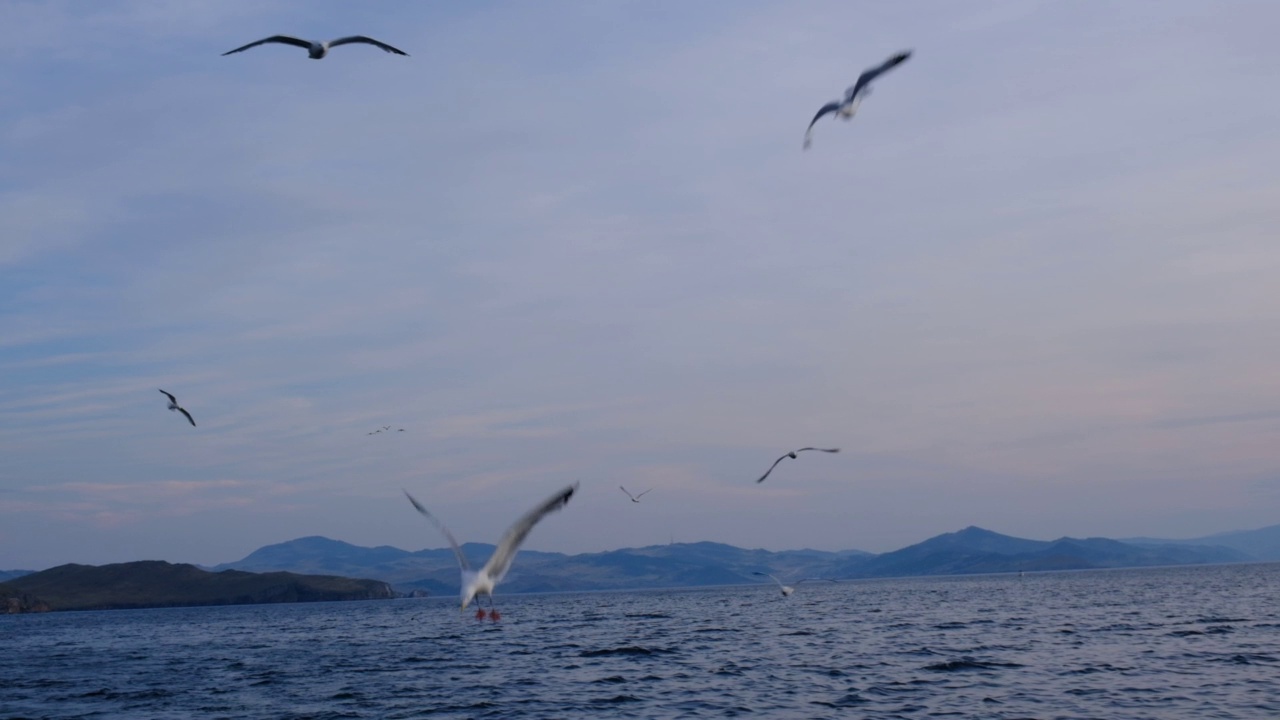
[{"x": 1031, "y": 286}]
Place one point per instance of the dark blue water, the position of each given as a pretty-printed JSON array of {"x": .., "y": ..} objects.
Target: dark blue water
[{"x": 1168, "y": 643}]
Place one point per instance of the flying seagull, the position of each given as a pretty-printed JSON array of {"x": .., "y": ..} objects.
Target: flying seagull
[
  {"x": 316, "y": 50},
  {"x": 792, "y": 455},
  {"x": 854, "y": 95},
  {"x": 635, "y": 498},
  {"x": 483, "y": 582},
  {"x": 173, "y": 405},
  {"x": 787, "y": 589}
]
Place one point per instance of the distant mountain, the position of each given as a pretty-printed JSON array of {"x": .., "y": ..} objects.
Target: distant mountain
[
  {"x": 318, "y": 568},
  {"x": 972, "y": 550},
  {"x": 435, "y": 571},
  {"x": 680, "y": 565},
  {"x": 1262, "y": 544},
  {"x": 153, "y": 583},
  {"x": 11, "y": 574}
]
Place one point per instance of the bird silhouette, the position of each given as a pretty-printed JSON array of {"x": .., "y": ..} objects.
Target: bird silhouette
[{"x": 792, "y": 455}]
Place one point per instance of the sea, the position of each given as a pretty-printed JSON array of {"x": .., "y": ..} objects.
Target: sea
[{"x": 1186, "y": 642}]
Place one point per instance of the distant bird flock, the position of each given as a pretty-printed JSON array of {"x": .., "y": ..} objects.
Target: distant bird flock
[
  {"x": 384, "y": 428},
  {"x": 482, "y": 582}
]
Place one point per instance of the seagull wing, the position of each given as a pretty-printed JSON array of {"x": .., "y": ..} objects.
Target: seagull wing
[
  {"x": 510, "y": 542},
  {"x": 172, "y": 399},
  {"x": 770, "y": 577},
  {"x": 286, "y": 39},
  {"x": 872, "y": 73},
  {"x": 771, "y": 467},
  {"x": 829, "y": 450},
  {"x": 184, "y": 412},
  {"x": 824, "y": 110},
  {"x": 633, "y": 497},
  {"x": 367, "y": 40},
  {"x": 457, "y": 550},
  {"x": 646, "y": 492}
]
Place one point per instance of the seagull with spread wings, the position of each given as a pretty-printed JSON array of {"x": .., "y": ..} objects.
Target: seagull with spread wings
[
  {"x": 635, "y": 498},
  {"x": 853, "y": 96},
  {"x": 787, "y": 589},
  {"x": 792, "y": 455},
  {"x": 482, "y": 582},
  {"x": 316, "y": 50},
  {"x": 173, "y": 405}
]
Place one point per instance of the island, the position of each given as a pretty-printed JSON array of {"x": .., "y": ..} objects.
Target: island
[{"x": 154, "y": 583}]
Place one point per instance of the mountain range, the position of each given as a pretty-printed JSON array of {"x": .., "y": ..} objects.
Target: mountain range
[
  {"x": 971, "y": 550},
  {"x": 1262, "y": 544},
  {"x": 318, "y": 568}
]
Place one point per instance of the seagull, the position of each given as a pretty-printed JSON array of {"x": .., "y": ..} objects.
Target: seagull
[
  {"x": 854, "y": 95},
  {"x": 787, "y": 589},
  {"x": 792, "y": 455},
  {"x": 635, "y": 498},
  {"x": 173, "y": 405},
  {"x": 316, "y": 50},
  {"x": 483, "y": 582}
]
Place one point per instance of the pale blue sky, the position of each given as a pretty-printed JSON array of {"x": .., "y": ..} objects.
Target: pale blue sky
[{"x": 1031, "y": 286}]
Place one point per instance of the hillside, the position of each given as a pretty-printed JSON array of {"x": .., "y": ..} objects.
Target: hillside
[
  {"x": 154, "y": 583},
  {"x": 14, "y": 601}
]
